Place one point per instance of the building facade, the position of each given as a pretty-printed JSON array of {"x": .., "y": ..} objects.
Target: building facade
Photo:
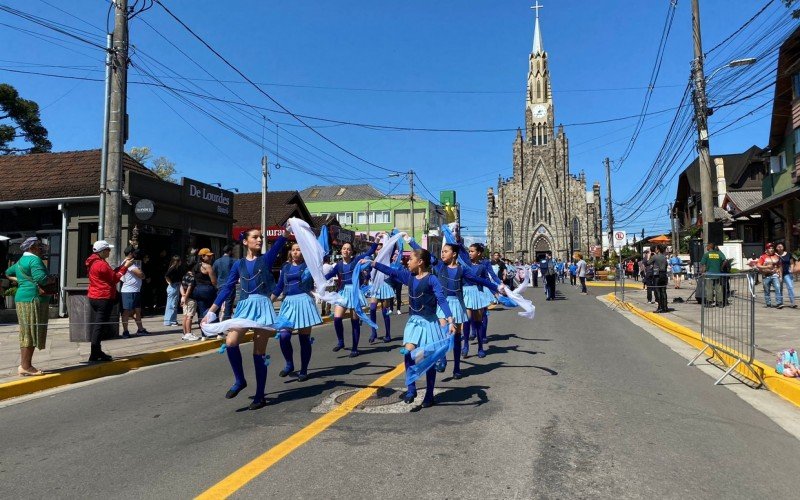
[
  {"x": 55, "y": 196},
  {"x": 365, "y": 210},
  {"x": 779, "y": 209},
  {"x": 542, "y": 206}
]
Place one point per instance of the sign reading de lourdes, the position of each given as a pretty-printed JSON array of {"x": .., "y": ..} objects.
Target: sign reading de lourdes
[{"x": 207, "y": 198}]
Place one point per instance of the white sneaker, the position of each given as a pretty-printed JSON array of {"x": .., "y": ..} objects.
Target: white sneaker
[
  {"x": 398, "y": 312},
  {"x": 190, "y": 337},
  {"x": 220, "y": 337}
]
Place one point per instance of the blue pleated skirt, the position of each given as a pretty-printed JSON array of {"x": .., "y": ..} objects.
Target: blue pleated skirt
[
  {"x": 301, "y": 310},
  {"x": 489, "y": 296},
  {"x": 256, "y": 308},
  {"x": 384, "y": 292},
  {"x": 345, "y": 293},
  {"x": 422, "y": 331},
  {"x": 475, "y": 299},
  {"x": 456, "y": 307}
]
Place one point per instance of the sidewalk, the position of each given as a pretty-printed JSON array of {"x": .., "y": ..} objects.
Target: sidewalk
[
  {"x": 61, "y": 353},
  {"x": 776, "y": 329}
]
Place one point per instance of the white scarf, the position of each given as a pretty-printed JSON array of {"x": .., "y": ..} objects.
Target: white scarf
[
  {"x": 313, "y": 255},
  {"x": 384, "y": 257}
]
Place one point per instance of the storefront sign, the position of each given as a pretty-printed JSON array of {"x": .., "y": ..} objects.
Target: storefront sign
[
  {"x": 144, "y": 209},
  {"x": 207, "y": 198},
  {"x": 273, "y": 232},
  {"x": 343, "y": 235}
]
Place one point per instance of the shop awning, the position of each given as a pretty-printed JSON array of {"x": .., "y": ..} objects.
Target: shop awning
[{"x": 792, "y": 192}]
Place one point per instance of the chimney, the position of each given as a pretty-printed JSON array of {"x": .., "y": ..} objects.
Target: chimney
[{"x": 722, "y": 185}]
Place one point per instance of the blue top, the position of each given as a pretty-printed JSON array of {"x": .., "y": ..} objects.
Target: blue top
[
  {"x": 222, "y": 268},
  {"x": 573, "y": 268},
  {"x": 345, "y": 271},
  {"x": 676, "y": 263},
  {"x": 559, "y": 267},
  {"x": 423, "y": 293},
  {"x": 294, "y": 280},
  {"x": 452, "y": 279},
  {"x": 487, "y": 264},
  {"x": 264, "y": 262}
]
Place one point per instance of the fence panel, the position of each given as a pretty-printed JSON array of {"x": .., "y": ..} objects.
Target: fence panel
[{"x": 727, "y": 320}]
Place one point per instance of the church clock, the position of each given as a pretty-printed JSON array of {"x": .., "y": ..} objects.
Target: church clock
[{"x": 539, "y": 111}]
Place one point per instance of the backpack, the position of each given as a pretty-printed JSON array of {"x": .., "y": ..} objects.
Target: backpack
[{"x": 726, "y": 265}]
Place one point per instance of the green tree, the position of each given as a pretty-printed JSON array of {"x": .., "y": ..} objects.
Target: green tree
[
  {"x": 25, "y": 124},
  {"x": 161, "y": 166}
]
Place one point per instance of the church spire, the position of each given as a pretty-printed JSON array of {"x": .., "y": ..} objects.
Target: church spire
[{"x": 538, "y": 46}]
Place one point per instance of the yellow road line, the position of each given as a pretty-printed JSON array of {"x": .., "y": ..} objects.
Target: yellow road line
[{"x": 260, "y": 464}]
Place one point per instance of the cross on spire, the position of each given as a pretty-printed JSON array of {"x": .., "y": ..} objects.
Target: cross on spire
[
  {"x": 536, "y": 8},
  {"x": 538, "y": 46}
]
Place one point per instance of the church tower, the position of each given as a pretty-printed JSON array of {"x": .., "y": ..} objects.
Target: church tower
[
  {"x": 539, "y": 97},
  {"x": 541, "y": 207}
]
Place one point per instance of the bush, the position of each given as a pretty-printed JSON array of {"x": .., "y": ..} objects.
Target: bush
[{"x": 10, "y": 292}]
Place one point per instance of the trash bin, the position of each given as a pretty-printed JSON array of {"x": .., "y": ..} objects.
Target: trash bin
[{"x": 80, "y": 316}]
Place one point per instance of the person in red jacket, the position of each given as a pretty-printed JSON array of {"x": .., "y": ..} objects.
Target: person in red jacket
[{"x": 102, "y": 293}]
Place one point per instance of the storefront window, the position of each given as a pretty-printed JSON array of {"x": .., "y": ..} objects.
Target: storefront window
[
  {"x": 796, "y": 85},
  {"x": 87, "y": 235}
]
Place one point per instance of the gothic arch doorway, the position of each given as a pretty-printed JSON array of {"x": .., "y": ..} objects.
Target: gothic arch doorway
[{"x": 540, "y": 247}]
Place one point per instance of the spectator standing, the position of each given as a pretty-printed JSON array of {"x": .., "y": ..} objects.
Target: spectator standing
[
  {"x": 535, "y": 274},
  {"x": 770, "y": 266},
  {"x": 102, "y": 294},
  {"x": 573, "y": 270},
  {"x": 205, "y": 287},
  {"x": 548, "y": 268},
  {"x": 787, "y": 278},
  {"x": 132, "y": 294},
  {"x": 660, "y": 278},
  {"x": 580, "y": 271},
  {"x": 32, "y": 305},
  {"x": 677, "y": 269},
  {"x": 648, "y": 273},
  {"x": 712, "y": 263},
  {"x": 330, "y": 285},
  {"x": 188, "y": 304},
  {"x": 499, "y": 267},
  {"x": 173, "y": 276},
  {"x": 222, "y": 268}
]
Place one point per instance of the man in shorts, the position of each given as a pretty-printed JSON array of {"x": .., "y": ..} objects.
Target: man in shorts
[
  {"x": 131, "y": 294},
  {"x": 189, "y": 305}
]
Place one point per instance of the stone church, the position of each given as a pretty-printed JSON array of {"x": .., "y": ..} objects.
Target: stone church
[{"x": 542, "y": 206}]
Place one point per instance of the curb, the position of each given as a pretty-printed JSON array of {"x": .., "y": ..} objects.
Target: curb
[
  {"x": 73, "y": 375},
  {"x": 609, "y": 284},
  {"x": 787, "y": 388}
]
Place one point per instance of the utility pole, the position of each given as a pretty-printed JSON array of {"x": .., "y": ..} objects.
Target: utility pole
[
  {"x": 101, "y": 221},
  {"x": 610, "y": 206},
  {"x": 672, "y": 227},
  {"x": 117, "y": 131},
  {"x": 411, "y": 184},
  {"x": 368, "y": 233},
  {"x": 701, "y": 117},
  {"x": 264, "y": 177}
]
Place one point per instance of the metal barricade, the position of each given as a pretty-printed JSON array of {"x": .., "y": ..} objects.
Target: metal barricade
[{"x": 727, "y": 320}]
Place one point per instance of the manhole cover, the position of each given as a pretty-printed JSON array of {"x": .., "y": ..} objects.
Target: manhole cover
[
  {"x": 385, "y": 400},
  {"x": 383, "y": 396}
]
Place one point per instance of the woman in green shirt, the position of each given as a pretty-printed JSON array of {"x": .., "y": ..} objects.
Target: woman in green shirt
[{"x": 32, "y": 308}]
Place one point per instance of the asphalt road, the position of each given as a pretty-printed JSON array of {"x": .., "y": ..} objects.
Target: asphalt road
[{"x": 579, "y": 403}]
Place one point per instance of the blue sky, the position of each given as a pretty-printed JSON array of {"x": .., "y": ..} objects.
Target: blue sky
[{"x": 443, "y": 64}]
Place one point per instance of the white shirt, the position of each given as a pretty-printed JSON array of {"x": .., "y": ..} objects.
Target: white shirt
[
  {"x": 131, "y": 283},
  {"x": 581, "y": 268}
]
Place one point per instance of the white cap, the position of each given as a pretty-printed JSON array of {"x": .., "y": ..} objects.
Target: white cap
[{"x": 101, "y": 245}]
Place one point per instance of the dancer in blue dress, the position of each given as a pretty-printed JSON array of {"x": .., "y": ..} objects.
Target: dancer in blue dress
[
  {"x": 453, "y": 277},
  {"x": 383, "y": 296},
  {"x": 344, "y": 270},
  {"x": 475, "y": 299},
  {"x": 492, "y": 299},
  {"x": 298, "y": 312},
  {"x": 253, "y": 311},
  {"x": 424, "y": 293}
]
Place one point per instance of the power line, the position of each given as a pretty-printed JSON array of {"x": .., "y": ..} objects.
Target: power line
[{"x": 267, "y": 95}]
